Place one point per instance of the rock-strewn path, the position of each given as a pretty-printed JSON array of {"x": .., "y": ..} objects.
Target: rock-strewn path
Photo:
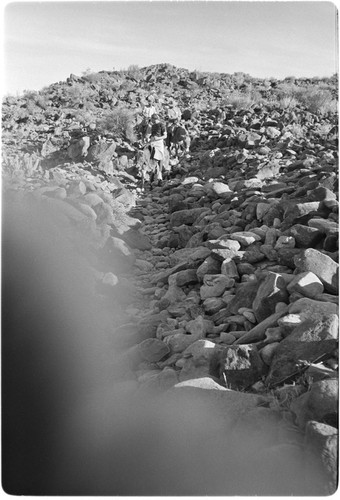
[
  {"x": 217, "y": 292},
  {"x": 238, "y": 296}
]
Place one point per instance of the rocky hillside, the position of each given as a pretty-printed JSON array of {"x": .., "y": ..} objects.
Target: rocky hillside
[{"x": 222, "y": 283}]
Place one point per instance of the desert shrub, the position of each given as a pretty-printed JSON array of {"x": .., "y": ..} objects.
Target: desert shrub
[
  {"x": 134, "y": 71},
  {"x": 285, "y": 89},
  {"x": 315, "y": 99},
  {"x": 119, "y": 122},
  {"x": 287, "y": 102},
  {"x": 296, "y": 130},
  {"x": 240, "y": 100},
  {"x": 323, "y": 129}
]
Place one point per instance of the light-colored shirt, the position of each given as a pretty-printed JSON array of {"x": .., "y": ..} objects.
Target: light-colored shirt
[{"x": 148, "y": 111}]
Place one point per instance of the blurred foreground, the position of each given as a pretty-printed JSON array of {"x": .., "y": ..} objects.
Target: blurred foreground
[{"x": 72, "y": 425}]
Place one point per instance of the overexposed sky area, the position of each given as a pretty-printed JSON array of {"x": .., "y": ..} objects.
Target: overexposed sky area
[{"x": 44, "y": 42}]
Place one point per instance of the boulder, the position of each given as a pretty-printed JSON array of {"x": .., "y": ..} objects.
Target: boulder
[
  {"x": 214, "y": 285},
  {"x": 311, "y": 340},
  {"x": 182, "y": 278},
  {"x": 320, "y": 403},
  {"x": 187, "y": 217},
  {"x": 208, "y": 266},
  {"x": 259, "y": 331},
  {"x": 321, "y": 445},
  {"x": 272, "y": 290},
  {"x": 325, "y": 268},
  {"x": 239, "y": 366},
  {"x": 307, "y": 283}
]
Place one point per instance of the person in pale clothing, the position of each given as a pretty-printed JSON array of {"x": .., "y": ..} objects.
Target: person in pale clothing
[
  {"x": 147, "y": 112},
  {"x": 158, "y": 135}
]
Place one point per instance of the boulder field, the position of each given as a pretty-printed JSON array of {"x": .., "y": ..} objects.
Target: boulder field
[{"x": 220, "y": 291}]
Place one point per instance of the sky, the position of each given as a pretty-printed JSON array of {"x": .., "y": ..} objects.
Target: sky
[{"x": 44, "y": 42}]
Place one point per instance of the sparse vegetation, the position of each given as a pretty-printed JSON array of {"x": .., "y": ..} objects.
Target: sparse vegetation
[
  {"x": 316, "y": 100},
  {"x": 120, "y": 122},
  {"x": 244, "y": 100}
]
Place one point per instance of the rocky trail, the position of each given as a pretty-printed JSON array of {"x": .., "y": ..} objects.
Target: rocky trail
[{"x": 205, "y": 309}]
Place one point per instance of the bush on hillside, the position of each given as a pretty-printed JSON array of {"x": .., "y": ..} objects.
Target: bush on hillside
[
  {"x": 316, "y": 100},
  {"x": 287, "y": 102},
  {"x": 241, "y": 100},
  {"x": 297, "y": 130},
  {"x": 285, "y": 89},
  {"x": 134, "y": 71},
  {"x": 119, "y": 121}
]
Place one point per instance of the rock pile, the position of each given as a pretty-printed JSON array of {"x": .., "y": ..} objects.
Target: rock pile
[{"x": 227, "y": 273}]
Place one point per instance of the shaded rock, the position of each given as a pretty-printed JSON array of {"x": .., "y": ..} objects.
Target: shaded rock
[
  {"x": 321, "y": 441},
  {"x": 117, "y": 255},
  {"x": 186, "y": 216},
  {"x": 213, "y": 304},
  {"x": 286, "y": 256},
  {"x": 153, "y": 350},
  {"x": 309, "y": 341},
  {"x": 167, "y": 378},
  {"x": 195, "y": 255},
  {"x": 208, "y": 266},
  {"x": 253, "y": 254},
  {"x": 267, "y": 352},
  {"x": 198, "y": 327},
  {"x": 214, "y": 285},
  {"x": 101, "y": 152},
  {"x": 179, "y": 341},
  {"x": 258, "y": 332},
  {"x": 136, "y": 239},
  {"x": 182, "y": 278},
  {"x": 271, "y": 290},
  {"x": 306, "y": 236},
  {"x": 325, "y": 226},
  {"x": 320, "y": 403}
]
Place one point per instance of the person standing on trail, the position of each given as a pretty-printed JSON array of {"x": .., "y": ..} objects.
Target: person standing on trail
[
  {"x": 147, "y": 112},
  {"x": 174, "y": 116},
  {"x": 158, "y": 134}
]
